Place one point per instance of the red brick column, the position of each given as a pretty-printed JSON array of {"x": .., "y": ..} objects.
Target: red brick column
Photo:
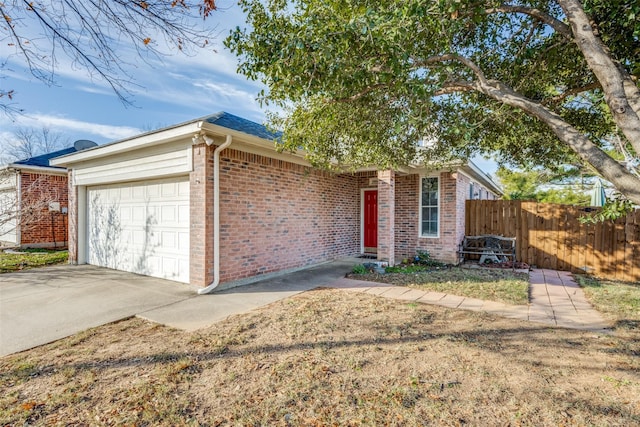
[
  {"x": 201, "y": 217},
  {"x": 72, "y": 219},
  {"x": 386, "y": 216}
]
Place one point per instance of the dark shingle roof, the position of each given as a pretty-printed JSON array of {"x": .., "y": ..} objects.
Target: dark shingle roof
[
  {"x": 242, "y": 125},
  {"x": 43, "y": 159}
]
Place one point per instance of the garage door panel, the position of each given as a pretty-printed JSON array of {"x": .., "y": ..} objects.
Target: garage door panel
[
  {"x": 183, "y": 242},
  {"x": 169, "y": 189},
  {"x": 168, "y": 214},
  {"x": 141, "y": 227},
  {"x": 184, "y": 188}
]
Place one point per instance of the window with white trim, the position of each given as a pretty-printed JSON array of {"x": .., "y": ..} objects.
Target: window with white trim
[{"x": 429, "y": 209}]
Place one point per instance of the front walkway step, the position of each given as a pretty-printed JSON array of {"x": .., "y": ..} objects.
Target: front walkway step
[{"x": 556, "y": 299}]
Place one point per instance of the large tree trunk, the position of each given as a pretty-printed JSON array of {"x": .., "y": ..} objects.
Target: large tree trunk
[
  {"x": 620, "y": 93},
  {"x": 627, "y": 183}
]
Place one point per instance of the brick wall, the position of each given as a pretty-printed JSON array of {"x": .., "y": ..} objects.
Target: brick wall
[
  {"x": 386, "y": 216},
  {"x": 407, "y": 215},
  {"x": 444, "y": 247},
  {"x": 201, "y": 216},
  {"x": 39, "y": 226},
  {"x": 452, "y": 197},
  {"x": 276, "y": 215}
]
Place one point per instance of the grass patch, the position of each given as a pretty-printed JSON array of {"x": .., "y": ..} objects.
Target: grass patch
[
  {"x": 31, "y": 258},
  {"x": 329, "y": 357},
  {"x": 482, "y": 283},
  {"x": 619, "y": 300}
]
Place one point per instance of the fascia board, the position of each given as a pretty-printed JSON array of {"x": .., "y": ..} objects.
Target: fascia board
[
  {"x": 266, "y": 147},
  {"x": 471, "y": 170},
  {"x": 38, "y": 169},
  {"x": 136, "y": 143}
]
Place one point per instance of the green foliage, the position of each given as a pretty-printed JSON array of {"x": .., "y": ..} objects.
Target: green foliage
[
  {"x": 424, "y": 258},
  {"x": 619, "y": 27},
  {"x": 357, "y": 83},
  {"x": 538, "y": 185},
  {"x": 359, "y": 269},
  {"x": 615, "y": 208}
]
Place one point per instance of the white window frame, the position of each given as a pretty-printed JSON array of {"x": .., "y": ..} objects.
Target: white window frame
[{"x": 420, "y": 233}]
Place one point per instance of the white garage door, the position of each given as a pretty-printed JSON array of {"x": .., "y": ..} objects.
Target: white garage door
[{"x": 140, "y": 227}]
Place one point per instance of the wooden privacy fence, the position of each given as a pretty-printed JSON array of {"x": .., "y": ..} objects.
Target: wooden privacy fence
[{"x": 551, "y": 236}]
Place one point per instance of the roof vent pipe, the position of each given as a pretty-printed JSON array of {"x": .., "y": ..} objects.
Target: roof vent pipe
[{"x": 216, "y": 214}]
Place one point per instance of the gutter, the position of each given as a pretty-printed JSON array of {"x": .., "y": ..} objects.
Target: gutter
[
  {"x": 216, "y": 214},
  {"x": 38, "y": 169},
  {"x": 484, "y": 176}
]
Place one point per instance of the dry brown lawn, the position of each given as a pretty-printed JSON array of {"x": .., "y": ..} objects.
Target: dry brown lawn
[{"x": 328, "y": 357}]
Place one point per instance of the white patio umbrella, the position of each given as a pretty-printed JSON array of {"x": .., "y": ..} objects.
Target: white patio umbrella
[{"x": 598, "y": 198}]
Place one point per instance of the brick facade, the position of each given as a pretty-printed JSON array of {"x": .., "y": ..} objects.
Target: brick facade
[
  {"x": 454, "y": 191},
  {"x": 201, "y": 216},
  {"x": 277, "y": 215},
  {"x": 407, "y": 216},
  {"x": 386, "y": 216},
  {"x": 40, "y": 226}
]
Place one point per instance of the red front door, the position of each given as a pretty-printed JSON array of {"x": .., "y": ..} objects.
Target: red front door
[{"x": 370, "y": 221}]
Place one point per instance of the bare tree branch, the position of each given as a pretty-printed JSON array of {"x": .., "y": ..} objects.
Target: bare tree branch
[{"x": 92, "y": 34}]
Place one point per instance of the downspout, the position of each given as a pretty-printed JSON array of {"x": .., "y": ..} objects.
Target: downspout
[
  {"x": 216, "y": 215},
  {"x": 19, "y": 202}
]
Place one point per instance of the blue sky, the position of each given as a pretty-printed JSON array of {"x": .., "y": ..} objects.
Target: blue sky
[{"x": 172, "y": 90}]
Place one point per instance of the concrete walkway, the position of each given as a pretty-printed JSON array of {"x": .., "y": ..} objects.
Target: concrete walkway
[{"x": 555, "y": 299}]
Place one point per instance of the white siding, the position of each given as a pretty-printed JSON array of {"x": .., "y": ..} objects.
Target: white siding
[{"x": 154, "y": 163}]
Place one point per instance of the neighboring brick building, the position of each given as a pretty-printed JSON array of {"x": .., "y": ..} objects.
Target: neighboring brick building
[
  {"x": 33, "y": 202},
  {"x": 150, "y": 205}
]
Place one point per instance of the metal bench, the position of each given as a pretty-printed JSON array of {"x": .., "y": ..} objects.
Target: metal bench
[{"x": 487, "y": 248}]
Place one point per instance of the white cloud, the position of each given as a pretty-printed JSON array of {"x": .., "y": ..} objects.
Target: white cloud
[{"x": 63, "y": 123}]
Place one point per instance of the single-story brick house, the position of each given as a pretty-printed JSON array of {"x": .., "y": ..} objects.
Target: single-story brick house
[
  {"x": 33, "y": 202},
  {"x": 212, "y": 201}
]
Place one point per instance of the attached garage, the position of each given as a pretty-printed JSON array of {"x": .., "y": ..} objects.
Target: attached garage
[
  {"x": 140, "y": 227},
  {"x": 130, "y": 204},
  {"x": 204, "y": 202}
]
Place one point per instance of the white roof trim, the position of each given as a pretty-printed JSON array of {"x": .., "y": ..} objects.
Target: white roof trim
[
  {"x": 37, "y": 169},
  {"x": 135, "y": 143}
]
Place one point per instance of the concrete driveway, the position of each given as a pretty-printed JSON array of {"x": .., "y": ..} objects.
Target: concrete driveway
[{"x": 42, "y": 305}]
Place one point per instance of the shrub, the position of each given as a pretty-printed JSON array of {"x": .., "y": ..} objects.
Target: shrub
[
  {"x": 424, "y": 258},
  {"x": 359, "y": 269}
]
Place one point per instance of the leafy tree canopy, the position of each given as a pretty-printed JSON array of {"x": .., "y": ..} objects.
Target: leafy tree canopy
[
  {"x": 566, "y": 186},
  {"x": 358, "y": 82}
]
